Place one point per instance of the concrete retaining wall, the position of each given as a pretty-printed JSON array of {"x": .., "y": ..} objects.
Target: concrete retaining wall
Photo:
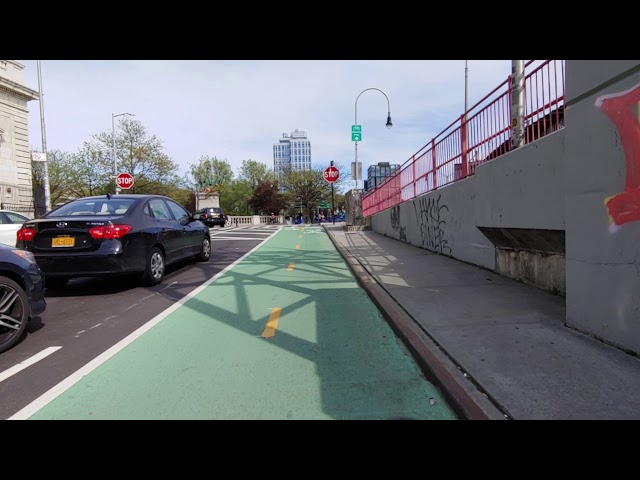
[
  {"x": 580, "y": 184},
  {"x": 602, "y": 161},
  {"x": 522, "y": 189}
]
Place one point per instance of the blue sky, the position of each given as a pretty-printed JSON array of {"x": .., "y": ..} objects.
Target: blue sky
[{"x": 237, "y": 109}]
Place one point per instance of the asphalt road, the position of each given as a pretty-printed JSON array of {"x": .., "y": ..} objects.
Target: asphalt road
[{"x": 91, "y": 315}]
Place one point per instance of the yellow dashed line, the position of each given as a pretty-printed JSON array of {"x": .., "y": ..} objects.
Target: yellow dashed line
[
  {"x": 299, "y": 236},
  {"x": 272, "y": 324},
  {"x": 302, "y": 229},
  {"x": 290, "y": 266},
  {"x": 297, "y": 247}
]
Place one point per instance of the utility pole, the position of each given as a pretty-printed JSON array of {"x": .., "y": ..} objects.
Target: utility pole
[
  {"x": 517, "y": 103},
  {"x": 115, "y": 161},
  {"x": 47, "y": 191}
]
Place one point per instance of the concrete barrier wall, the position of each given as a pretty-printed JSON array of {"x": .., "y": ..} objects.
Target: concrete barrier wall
[
  {"x": 522, "y": 189},
  {"x": 584, "y": 179},
  {"x": 602, "y": 181}
]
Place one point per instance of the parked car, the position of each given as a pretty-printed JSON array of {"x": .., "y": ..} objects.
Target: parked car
[
  {"x": 21, "y": 294},
  {"x": 114, "y": 235},
  {"x": 10, "y": 223},
  {"x": 213, "y": 216}
]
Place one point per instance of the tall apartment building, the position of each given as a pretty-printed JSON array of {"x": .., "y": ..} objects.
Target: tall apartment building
[
  {"x": 377, "y": 174},
  {"x": 292, "y": 152}
]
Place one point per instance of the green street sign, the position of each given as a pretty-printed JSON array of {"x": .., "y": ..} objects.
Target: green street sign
[
  {"x": 356, "y": 128},
  {"x": 324, "y": 205},
  {"x": 356, "y": 137}
]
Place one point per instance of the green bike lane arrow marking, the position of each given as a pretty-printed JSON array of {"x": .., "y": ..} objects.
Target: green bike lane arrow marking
[{"x": 258, "y": 341}]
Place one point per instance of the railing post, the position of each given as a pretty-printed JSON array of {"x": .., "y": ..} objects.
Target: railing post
[
  {"x": 463, "y": 144},
  {"x": 413, "y": 162},
  {"x": 433, "y": 162}
]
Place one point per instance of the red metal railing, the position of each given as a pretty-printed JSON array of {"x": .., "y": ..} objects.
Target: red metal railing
[{"x": 479, "y": 135}]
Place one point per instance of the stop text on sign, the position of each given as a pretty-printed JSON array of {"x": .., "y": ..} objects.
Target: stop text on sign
[{"x": 331, "y": 174}]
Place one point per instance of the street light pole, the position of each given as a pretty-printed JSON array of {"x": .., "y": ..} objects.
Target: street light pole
[
  {"x": 389, "y": 125},
  {"x": 466, "y": 88},
  {"x": 115, "y": 162},
  {"x": 47, "y": 190}
]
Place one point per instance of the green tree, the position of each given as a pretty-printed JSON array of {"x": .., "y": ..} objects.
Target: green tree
[
  {"x": 60, "y": 166},
  {"x": 88, "y": 173},
  {"x": 236, "y": 198},
  {"x": 137, "y": 152},
  {"x": 267, "y": 199},
  {"x": 255, "y": 172},
  {"x": 307, "y": 187},
  {"x": 343, "y": 179},
  {"x": 211, "y": 172}
]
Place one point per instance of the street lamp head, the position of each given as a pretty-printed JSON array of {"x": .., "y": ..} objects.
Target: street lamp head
[{"x": 389, "y": 124}]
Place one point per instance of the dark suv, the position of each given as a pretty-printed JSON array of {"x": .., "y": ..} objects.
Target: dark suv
[{"x": 212, "y": 216}]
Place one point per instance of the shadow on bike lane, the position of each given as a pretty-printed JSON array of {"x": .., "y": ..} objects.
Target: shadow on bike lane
[{"x": 287, "y": 333}]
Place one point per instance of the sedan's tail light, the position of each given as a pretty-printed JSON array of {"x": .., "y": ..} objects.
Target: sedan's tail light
[
  {"x": 110, "y": 231},
  {"x": 25, "y": 234}
]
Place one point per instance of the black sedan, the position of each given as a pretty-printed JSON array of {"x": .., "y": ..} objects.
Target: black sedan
[
  {"x": 21, "y": 293},
  {"x": 114, "y": 235}
]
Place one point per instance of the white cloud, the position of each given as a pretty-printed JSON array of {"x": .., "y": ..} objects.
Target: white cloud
[{"x": 238, "y": 109}]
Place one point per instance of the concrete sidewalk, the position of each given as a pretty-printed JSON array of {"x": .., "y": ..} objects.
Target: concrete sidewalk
[{"x": 497, "y": 347}]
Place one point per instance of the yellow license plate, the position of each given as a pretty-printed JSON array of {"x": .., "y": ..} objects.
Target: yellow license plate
[
  {"x": 63, "y": 242},
  {"x": 215, "y": 215}
]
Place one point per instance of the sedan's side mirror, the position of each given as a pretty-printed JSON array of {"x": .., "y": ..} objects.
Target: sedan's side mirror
[{"x": 196, "y": 216}]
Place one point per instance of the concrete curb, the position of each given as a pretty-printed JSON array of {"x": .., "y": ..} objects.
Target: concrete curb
[{"x": 467, "y": 401}]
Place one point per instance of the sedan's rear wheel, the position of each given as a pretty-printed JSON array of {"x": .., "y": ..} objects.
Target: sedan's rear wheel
[
  {"x": 14, "y": 313},
  {"x": 154, "y": 269},
  {"x": 205, "y": 250}
]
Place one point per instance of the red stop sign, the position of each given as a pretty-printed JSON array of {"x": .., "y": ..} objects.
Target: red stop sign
[
  {"x": 124, "y": 180},
  {"x": 331, "y": 174}
]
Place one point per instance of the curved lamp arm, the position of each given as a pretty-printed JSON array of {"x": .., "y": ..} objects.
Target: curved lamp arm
[{"x": 389, "y": 124}]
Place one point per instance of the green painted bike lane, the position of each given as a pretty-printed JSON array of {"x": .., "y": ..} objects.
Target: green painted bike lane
[{"x": 286, "y": 333}]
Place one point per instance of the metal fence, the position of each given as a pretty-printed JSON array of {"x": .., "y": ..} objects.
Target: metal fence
[
  {"x": 478, "y": 136},
  {"x": 26, "y": 201}
]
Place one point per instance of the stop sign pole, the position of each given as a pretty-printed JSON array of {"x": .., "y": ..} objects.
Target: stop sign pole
[
  {"x": 331, "y": 174},
  {"x": 333, "y": 208}
]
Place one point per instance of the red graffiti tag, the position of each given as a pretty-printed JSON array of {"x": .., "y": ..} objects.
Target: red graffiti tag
[{"x": 622, "y": 110}]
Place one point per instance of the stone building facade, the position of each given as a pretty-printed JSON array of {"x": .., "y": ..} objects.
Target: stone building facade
[{"x": 16, "y": 191}]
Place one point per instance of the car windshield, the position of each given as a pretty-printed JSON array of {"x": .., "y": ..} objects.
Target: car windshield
[{"x": 94, "y": 206}]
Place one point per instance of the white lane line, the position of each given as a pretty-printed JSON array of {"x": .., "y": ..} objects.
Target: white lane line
[
  {"x": 27, "y": 363},
  {"x": 75, "y": 377}
]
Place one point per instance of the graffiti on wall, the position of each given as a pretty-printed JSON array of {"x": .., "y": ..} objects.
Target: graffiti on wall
[
  {"x": 623, "y": 109},
  {"x": 394, "y": 212},
  {"x": 432, "y": 224}
]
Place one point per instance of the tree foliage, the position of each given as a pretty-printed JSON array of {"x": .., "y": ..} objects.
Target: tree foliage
[
  {"x": 137, "y": 152},
  {"x": 236, "y": 197},
  {"x": 59, "y": 166},
  {"x": 307, "y": 187},
  {"x": 90, "y": 170},
  {"x": 255, "y": 172},
  {"x": 211, "y": 172},
  {"x": 267, "y": 199},
  {"x": 87, "y": 173}
]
